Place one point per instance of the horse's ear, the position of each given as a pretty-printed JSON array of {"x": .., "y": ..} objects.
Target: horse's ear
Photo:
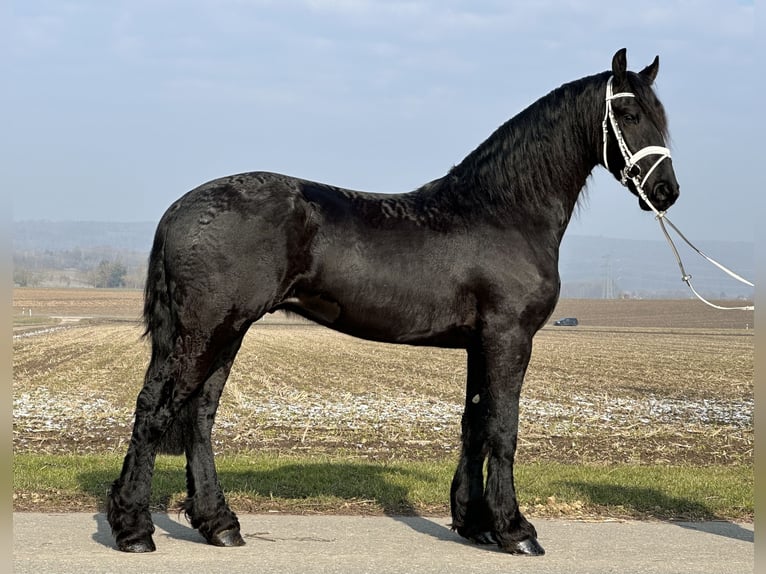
[
  {"x": 650, "y": 72},
  {"x": 620, "y": 66}
]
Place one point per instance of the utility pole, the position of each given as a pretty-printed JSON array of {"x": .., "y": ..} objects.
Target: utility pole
[{"x": 607, "y": 288}]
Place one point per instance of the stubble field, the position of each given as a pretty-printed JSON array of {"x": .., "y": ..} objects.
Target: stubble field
[{"x": 641, "y": 382}]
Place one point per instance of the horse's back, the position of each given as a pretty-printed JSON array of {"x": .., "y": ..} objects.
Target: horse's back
[{"x": 378, "y": 266}]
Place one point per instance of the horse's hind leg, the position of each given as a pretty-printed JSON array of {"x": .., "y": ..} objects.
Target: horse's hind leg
[
  {"x": 127, "y": 504},
  {"x": 170, "y": 382},
  {"x": 206, "y": 505}
]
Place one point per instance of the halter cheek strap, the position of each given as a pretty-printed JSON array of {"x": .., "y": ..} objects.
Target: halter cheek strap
[{"x": 631, "y": 171}]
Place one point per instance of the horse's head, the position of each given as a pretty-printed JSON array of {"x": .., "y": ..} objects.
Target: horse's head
[{"x": 634, "y": 133}]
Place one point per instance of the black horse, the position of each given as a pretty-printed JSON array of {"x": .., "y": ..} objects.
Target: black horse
[{"x": 467, "y": 261}]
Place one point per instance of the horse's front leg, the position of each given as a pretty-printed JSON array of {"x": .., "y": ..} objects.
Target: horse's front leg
[{"x": 507, "y": 355}]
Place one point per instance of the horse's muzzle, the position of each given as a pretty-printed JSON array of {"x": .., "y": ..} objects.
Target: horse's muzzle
[{"x": 663, "y": 195}]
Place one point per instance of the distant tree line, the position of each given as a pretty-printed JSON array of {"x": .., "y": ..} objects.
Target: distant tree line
[
  {"x": 102, "y": 267},
  {"x": 110, "y": 274}
]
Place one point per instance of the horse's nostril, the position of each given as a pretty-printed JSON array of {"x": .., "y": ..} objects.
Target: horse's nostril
[{"x": 664, "y": 194}]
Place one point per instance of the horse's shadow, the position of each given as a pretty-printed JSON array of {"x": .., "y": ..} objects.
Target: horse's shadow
[
  {"x": 377, "y": 485},
  {"x": 384, "y": 487},
  {"x": 644, "y": 500},
  {"x": 163, "y": 520}
]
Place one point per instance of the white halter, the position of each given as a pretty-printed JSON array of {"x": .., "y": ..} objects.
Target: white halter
[{"x": 631, "y": 171}]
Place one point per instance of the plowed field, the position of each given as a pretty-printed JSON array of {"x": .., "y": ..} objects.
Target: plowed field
[{"x": 638, "y": 381}]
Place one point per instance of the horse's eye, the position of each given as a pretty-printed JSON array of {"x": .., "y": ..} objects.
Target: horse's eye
[{"x": 630, "y": 119}]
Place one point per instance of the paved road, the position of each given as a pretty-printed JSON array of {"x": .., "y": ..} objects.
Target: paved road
[{"x": 82, "y": 544}]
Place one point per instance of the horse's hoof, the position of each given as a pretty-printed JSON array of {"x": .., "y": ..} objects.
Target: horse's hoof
[
  {"x": 228, "y": 538},
  {"x": 526, "y": 547},
  {"x": 137, "y": 546}
]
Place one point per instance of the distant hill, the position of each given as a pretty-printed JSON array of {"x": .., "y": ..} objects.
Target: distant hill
[
  {"x": 603, "y": 267},
  {"x": 79, "y": 253},
  {"x": 67, "y": 235},
  {"x": 591, "y": 267}
]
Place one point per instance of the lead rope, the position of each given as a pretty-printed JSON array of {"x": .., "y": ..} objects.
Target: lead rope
[
  {"x": 661, "y": 217},
  {"x": 629, "y": 173}
]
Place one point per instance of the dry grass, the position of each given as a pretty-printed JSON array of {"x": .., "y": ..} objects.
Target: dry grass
[{"x": 639, "y": 381}]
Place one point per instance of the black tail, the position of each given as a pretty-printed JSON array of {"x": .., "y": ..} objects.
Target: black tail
[
  {"x": 160, "y": 328},
  {"x": 158, "y": 314}
]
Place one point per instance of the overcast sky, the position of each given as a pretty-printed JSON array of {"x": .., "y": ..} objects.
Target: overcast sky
[{"x": 115, "y": 109}]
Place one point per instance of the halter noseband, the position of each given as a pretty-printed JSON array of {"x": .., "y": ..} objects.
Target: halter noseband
[{"x": 631, "y": 171}]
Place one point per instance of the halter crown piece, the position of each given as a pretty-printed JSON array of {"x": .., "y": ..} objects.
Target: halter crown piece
[{"x": 632, "y": 172}]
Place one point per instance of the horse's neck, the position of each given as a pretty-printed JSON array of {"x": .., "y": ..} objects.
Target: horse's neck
[{"x": 534, "y": 167}]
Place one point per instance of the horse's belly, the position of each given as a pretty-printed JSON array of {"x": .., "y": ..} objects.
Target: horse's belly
[{"x": 385, "y": 316}]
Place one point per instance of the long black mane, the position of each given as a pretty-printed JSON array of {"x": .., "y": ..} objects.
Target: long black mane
[
  {"x": 525, "y": 166},
  {"x": 531, "y": 156},
  {"x": 529, "y": 160},
  {"x": 538, "y": 160}
]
